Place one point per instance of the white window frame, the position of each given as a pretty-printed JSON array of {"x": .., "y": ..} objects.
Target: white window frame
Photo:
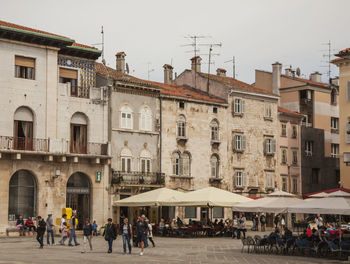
[
  {"x": 214, "y": 167},
  {"x": 270, "y": 179},
  {"x": 145, "y": 119},
  {"x": 334, "y": 123},
  {"x": 334, "y": 150},
  {"x": 214, "y": 130},
  {"x": 239, "y": 178},
  {"x": 270, "y": 146},
  {"x": 126, "y": 118},
  {"x": 238, "y": 106},
  {"x": 240, "y": 142},
  {"x": 181, "y": 127},
  {"x": 147, "y": 165},
  {"x": 308, "y": 148},
  {"x": 126, "y": 162},
  {"x": 283, "y": 130}
]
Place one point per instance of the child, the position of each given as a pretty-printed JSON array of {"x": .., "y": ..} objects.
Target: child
[
  {"x": 88, "y": 233},
  {"x": 64, "y": 234}
]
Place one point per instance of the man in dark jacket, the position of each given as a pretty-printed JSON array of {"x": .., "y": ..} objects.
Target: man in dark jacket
[
  {"x": 41, "y": 228},
  {"x": 263, "y": 222},
  {"x": 110, "y": 234},
  {"x": 141, "y": 231}
]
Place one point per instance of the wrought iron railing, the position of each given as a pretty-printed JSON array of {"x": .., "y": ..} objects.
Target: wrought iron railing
[{"x": 23, "y": 143}]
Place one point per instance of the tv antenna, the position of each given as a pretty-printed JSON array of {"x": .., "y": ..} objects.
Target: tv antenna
[
  {"x": 328, "y": 55},
  {"x": 209, "y": 61},
  {"x": 149, "y": 70},
  {"x": 103, "y": 45},
  {"x": 194, "y": 44},
  {"x": 233, "y": 60}
]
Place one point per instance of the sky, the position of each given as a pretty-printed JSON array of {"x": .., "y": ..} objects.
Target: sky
[{"x": 153, "y": 32}]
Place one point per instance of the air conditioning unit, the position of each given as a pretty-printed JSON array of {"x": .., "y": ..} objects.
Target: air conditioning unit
[{"x": 346, "y": 156}]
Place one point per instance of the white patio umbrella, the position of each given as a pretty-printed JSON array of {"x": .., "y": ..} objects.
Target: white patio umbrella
[
  {"x": 210, "y": 197},
  {"x": 276, "y": 202},
  {"x": 157, "y": 197},
  {"x": 319, "y": 195}
]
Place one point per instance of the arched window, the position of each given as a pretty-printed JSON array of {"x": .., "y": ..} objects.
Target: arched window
[
  {"x": 146, "y": 119},
  {"x": 284, "y": 156},
  {"x": 214, "y": 166},
  {"x": 145, "y": 161},
  {"x": 126, "y": 118},
  {"x": 181, "y": 126},
  {"x": 176, "y": 163},
  {"x": 22, "y": 195},
  {"x": 214, "y": 126},
  {"x": 186, "y": 164},
  {"x": 23, "y": 129},
  {"x": 125, "y": 160},
  {"x": 78, "y": 138}
]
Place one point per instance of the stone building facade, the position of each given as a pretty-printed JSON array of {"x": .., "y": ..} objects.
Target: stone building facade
[{"x": 53, "y": 140}]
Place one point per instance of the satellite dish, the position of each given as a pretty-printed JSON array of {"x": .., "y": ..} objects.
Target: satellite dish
[
  {"x": 127, "y": 68},
  {"x": 298, "y": 71}
]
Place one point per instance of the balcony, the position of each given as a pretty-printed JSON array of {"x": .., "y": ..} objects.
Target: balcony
[
  {"x": 67, "y": 89},
  {"x": 51, "y": 146},
  {"x": 138, "y": 178}
]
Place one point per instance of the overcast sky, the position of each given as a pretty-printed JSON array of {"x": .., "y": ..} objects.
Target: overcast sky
[{"x": 256, "y": 32}]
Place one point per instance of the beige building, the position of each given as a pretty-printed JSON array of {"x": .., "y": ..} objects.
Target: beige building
[
  {"x": 343, "y": 63},
  {"x": 53, "y": 139}
]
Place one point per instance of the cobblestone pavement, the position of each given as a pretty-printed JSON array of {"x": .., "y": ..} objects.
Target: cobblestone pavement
[{"x": 15, "y": 250}]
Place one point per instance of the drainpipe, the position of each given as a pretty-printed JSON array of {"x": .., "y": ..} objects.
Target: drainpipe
[{"x": 160, "y": 135}]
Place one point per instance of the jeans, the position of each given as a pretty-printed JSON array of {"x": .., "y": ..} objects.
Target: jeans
[
  {"x": 72, "y": 235},
  {"x": 110, "y": 244},
  {"x": 48, "y": 237},
  {"x": 86, "y": 240},
  {"x": 40, "y": 238},
  {"x": 151, "y": 239},
  {"x": 31, "y": 227},
  {"x": 63, "y": 239},
  {"x": 145, "y": 241},
  {"x": 126, "y": 239}
]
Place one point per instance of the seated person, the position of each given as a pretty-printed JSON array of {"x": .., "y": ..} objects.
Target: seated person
[
  {"x": 30, "y": 225},
  {"x": 179, "y": 222},
  {"x": 20, "y": 225},
  {"x": 221, "y": 223},
  {"x": 190, "y": 222}
]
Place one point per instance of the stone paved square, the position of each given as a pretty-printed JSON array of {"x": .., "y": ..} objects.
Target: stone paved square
[{"x": 20, "y": 250}]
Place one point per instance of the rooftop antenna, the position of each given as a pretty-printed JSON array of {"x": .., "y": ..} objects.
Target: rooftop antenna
[
  {"x": 209, "y": 61},
  {"x": 149, "y": 70},
  {"x": 328, "y": 55},
  {"x": 103, "y": 45},
  {"x": 233, "y": 66},
  {"x": 194, "y": 44}
]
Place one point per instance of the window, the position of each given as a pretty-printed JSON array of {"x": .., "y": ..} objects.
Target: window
[
  {"x": 238, "y": 106},
  {"x": 347, "y": 131},
  {"x": 270, "y": 182},
  {"x": 70, "y": 76},
  {"x": 181, "y": 164},
  {"x": 181, "y": 105},
  {"x": 270, "y": 146},
  {"x": 181, "y": 126},
  {"x": 241, "y": 179},
  {"x": 308, "y": 148},
  {"x": 23, "y": 129},
  {"x": 294, "y": 131},
  {"x": 268, "y": 111},
  {"x": 334, "y": 97},
  {"x": 295, "y": 185},
  {"x": 214, "y": 125},
  {"x": 284, "y": 184},
  {"x": 190, "y": 212},
  {"x": 295, "y": 157},
  {"x": 214, "y": 166},
  {"x": 315, "y": 176},
  {"x": 335, "y": 150},
  {"x": 218, "y": 212},
  {"x": 145, "y": 119},
  {"x": 126, "y": 158},
  {"x": 78, "y": 133},
  {"x": 24, "y": 67},
  {"x": 334, "y": 124},
  {"x": 126, "y": 118},
  {"x": 284, "y": 157},
  {"x": 348, "y": 91},
  {"x": 145, "y": 161},
  {"x": 284, "y": 130},
  {"x": 239, "y": 142},
  {"x": 215, "y": 110}
]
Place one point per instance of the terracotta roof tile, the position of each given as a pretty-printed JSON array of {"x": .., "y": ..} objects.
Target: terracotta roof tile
[
  {"x": 344, "y": 51},
  {"x": 120, "y": 53},
  {"x": 307, "y": 81},
  {"x": 83, "y": 46},
  {"x": 166, "y": 89},
  {"x": 11, "y": 25},
  {"x": 337, "y": 60},
  {"x": 284, "y": 110},
  {"x": 235, "y": 84}
]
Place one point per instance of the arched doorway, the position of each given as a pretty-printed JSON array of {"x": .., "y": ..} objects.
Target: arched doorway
[
  {"x": 78, "y": 196},
  {"x": 22, "y": 195}
]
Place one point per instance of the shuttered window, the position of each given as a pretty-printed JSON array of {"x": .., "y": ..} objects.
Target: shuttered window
[
  {"x": 69, "y": 74},
  {"x": 24, "y": 61},
  {"x": 24, "y": 67}
]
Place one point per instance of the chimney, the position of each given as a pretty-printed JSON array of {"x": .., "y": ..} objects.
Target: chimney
[
  {"x": 316, "y": 77},
  {"x": 196, "y": 64},
  {"x": 168, "y": 73},
  {"x": 289, "y": 72},
  {"x": 221, "y": 72},
  {"x": 276, "y": 77},
  {"x": 120, "y": 59}
]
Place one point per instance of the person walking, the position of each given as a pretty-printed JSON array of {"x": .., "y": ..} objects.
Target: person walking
[
  {"x": 126, "y": 229},
  {"x": 41, "y": 228},
  {"x": 150, "y": 233},
  {"x": 110, "y": 234},
  {"x": 64, "y": 233},
  {"x": 88, "y": 234},
  {"x": 141, "y": 231},
  {"x": 263, "y": 222},
  {"x": 72, "y": 227},
  {"x": 276, "y": 220},
  {"x": 49, "y": 230}
]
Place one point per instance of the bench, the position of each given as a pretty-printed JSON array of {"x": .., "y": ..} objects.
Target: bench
[{"x": 17, "y": 230}]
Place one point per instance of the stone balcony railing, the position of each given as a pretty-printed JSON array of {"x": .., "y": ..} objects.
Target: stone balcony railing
[
  {"x": 138, "y": 178},
  {"x": 52, "y": 146}
]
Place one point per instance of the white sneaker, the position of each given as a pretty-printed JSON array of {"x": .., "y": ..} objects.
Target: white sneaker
[{"x": 141, "y": 253}]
